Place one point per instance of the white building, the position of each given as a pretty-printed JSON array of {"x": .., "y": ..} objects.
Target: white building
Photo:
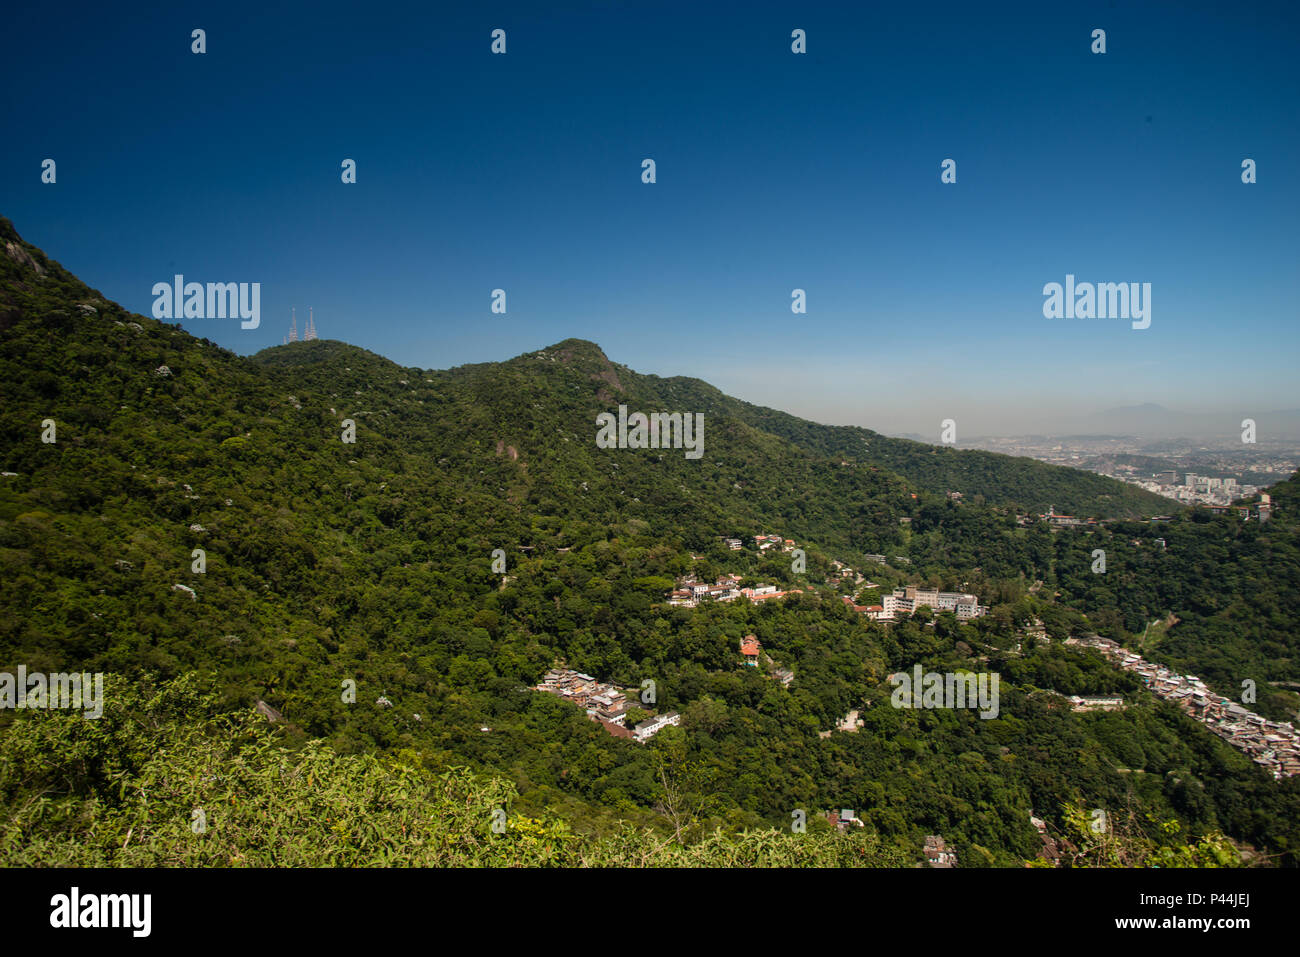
[
  {"x": 648, "y": 728},
  {"x": 909, "y": 599}
]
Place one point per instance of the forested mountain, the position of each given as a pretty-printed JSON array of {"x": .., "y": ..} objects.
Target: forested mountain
[{"x": 328, "y": 562}]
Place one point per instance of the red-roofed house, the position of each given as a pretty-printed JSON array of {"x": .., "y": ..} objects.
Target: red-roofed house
[{"x": 617, "y": 730}]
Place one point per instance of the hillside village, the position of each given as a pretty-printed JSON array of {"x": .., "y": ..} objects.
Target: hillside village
[
  {"x": 690, "y": 592},
  {"x": 606, "y": 704},
  {"x": 1273, "y": 745}
]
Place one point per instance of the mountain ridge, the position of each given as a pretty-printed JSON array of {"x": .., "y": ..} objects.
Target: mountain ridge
[
  {"x": 935, "y": 469},
  {"x": 201, "y": 511}
]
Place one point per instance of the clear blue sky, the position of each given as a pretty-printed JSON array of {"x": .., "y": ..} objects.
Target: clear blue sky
[{"x": 775, "y": 171}]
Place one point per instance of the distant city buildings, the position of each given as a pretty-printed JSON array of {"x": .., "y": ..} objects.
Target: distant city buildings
[
  {"x": 1192, "y": 490},
  {"x": 1197, "y": 471}
]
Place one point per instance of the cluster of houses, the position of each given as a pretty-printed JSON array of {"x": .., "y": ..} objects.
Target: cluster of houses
[
  {"x": 1053, "y": 517},
  {"x": 938, "y": 853},
  {"x": 762, "y": 542},
  {"x": 1051, "y": 851},
  {"x": 845, "y": 818},
  {"x": 604, "y": 703},
  {"x": 689, "y": 592},
  {"x": 843, "y": 574},
  {"x": 1060, "y": 520},
  {"x": 907, "y": 600},
  {"x": 1036, "y": 629},
  {"x": 1273, "y": 745}
]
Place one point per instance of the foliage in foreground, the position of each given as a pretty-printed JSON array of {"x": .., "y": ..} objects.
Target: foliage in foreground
[
  {"x": 125, "y": 790},
  {"x": 1087, "y": 844},
  {"x": 167, "y": 779}
]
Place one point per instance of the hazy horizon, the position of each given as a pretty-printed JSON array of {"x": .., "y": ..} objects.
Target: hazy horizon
[{"x": 776, "y": 171}]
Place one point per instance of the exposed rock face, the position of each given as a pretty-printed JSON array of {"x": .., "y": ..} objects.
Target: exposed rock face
[
  {"x": 586, "y": 357},
  {"x": 610, "y": 376},
  {"x": 23, "y": 258}
]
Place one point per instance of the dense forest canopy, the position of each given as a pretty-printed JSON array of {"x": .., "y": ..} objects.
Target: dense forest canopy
[{"x": 372, "y": 562}]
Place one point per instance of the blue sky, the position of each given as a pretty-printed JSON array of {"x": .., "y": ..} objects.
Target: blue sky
[{"x": 775, "y": 171}]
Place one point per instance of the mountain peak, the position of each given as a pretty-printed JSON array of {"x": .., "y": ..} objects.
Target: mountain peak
[
  {"x": 571, "y": 349},
  {"x": 584, "y": 356}
]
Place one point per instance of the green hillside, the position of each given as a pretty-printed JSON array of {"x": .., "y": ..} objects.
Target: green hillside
[{"x": 371, "y": 562}]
